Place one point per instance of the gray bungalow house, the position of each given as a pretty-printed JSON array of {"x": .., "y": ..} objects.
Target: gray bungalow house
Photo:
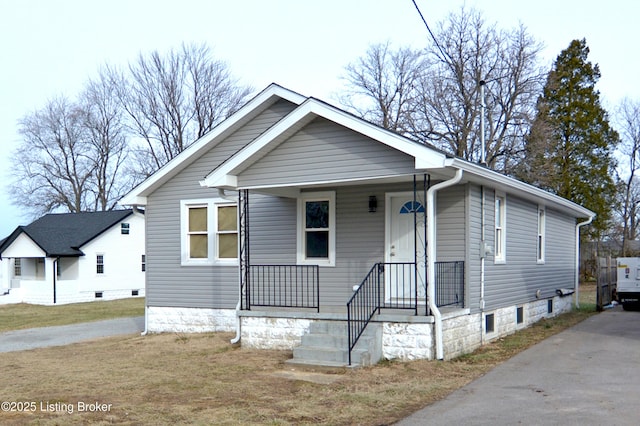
[{"x": 300, "y": 226}]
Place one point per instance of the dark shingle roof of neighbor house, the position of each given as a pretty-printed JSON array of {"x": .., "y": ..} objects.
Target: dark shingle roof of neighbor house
[{"x": 63, "y": 234}]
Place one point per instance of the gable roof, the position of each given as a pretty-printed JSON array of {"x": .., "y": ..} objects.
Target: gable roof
[
  {"x": 64, "y": 234},
  {"x": 246, "y": 113},
  {"x": 427, "y": 159}
]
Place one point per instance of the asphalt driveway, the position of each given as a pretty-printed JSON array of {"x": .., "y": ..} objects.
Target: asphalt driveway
[
  {"x": 33, "y": 338},
  {"x": 586, "y": 375}
]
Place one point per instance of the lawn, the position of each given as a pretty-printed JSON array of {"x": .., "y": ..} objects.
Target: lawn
[
  {"x": 202, "y": 379},
  {"x": 20, "y": 316}
]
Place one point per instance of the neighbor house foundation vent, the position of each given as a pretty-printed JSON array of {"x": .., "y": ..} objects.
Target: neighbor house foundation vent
[
  {"x": 550, "y": 306},
  {"x": 134, "y": 292},
  {"x": 98, "y": 295},
  {"x": 488, "y": 323},
  {"x": 519, "y": 315}
]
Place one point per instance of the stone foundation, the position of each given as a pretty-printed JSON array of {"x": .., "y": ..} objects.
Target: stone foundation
[{"x": 189, "y": 320}]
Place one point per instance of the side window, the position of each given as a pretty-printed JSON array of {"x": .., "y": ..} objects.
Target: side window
[
  {"x": 17, "y": 267},
  {"x": 100, "y": 264},
  {"x": 124, "y": 228},
  {"x": 541, "y": 234},
  {"x": 501, "y": 231}
]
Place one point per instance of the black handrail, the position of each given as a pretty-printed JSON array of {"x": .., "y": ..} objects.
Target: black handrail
[{"x": 362, "y": 306}]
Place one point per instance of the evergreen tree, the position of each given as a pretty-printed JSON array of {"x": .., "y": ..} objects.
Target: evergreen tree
[{"x": 570, "y": 145}]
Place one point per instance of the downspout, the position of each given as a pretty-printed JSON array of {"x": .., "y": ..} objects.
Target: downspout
[
  {"x": 236, "y": 339},
  {"x": 483, "y": 255},
  {"x": 577, "y": 272},
  {"x": 431, "y": 258}
]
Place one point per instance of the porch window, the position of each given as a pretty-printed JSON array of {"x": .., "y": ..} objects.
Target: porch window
[
  {"x": 316, "y": 228},
  {"x": 500, "y": 235},
  {"x": 209, "y": 232},
  {"x": 17, "y": 267},
  {"x": 541, "y": 234}
]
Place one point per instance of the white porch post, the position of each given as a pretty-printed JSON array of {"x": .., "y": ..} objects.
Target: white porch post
[{"x": 50, "y": 276}]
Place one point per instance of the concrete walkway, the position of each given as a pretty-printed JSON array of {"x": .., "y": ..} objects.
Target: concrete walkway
[
  {"x": 586, "y": 375},
  {"x": 33, "y": 338}
]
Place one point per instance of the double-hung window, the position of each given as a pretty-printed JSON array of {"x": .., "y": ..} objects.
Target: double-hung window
[
  {"x": 501, "y": 231},
  {"x": 209, "y": 232},
  {"x": 541, "y": 234},
  {"x": 316, "y": 228},
  {"x": 100, "y": 264}
]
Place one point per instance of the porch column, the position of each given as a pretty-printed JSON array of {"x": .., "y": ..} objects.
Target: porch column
[
  {"x": 50, "y": 276},
  {"x": 243, "y": 246}
]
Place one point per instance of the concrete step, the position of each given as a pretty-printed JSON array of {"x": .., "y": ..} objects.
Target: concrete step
[{"x": 326, "y": 344}]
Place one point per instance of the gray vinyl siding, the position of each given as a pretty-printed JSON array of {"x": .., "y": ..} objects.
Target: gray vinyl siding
[
  {"x": 451, "y": 224},
  {"x": 517, "y": 280},
  {"x": 168, "y": 283},
  {"x": 338, "y": 153}
]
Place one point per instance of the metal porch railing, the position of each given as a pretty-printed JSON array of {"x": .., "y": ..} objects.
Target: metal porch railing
[
  {"x": 394, "y": 286},
  {"x": 283, "y": 286}
]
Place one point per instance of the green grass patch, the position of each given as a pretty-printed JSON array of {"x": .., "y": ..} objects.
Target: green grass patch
[{"x": 22, "y": 315}]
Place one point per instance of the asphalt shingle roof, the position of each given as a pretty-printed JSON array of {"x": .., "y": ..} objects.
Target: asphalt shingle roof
[{"x": 63, "y": 234}]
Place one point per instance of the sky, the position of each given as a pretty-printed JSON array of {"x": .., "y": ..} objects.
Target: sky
[{"x": 51, "y": 47}]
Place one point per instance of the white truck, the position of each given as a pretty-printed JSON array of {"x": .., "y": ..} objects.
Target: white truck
[{"x": 628, "y": 287}]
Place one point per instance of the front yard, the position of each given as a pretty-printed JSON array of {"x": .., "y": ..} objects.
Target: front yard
[{"x": 202, "y": 379}]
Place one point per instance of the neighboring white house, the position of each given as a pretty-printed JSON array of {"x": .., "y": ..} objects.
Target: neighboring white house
[{"x": 74, "y": 257}]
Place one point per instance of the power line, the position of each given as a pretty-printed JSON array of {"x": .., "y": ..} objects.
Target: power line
[{"x": 429, "y": 29}]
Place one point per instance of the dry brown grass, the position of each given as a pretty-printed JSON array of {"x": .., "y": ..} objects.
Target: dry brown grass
[{"x": 202, "y": 379}]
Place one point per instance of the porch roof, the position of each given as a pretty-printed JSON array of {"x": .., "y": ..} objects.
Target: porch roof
[{"x": 423, "y": 157}]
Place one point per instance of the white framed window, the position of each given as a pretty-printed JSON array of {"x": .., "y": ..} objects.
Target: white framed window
[
  {"x": 209, "y": 232},
  {"x": 144, "y": 263},
  {"x": 541, "y": 234},
  {"x": 99, "y": 264},
  {"x": 317, "y": 228},
  {"x": 500, "y": 243},
  {"x": 17, "y": 267},
  {"x": 124, "y": 228}
]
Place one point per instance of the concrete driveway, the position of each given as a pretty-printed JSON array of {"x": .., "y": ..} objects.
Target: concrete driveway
[
  {"x": 586, "y": 375},
  {"x": 33, "y": 338}
]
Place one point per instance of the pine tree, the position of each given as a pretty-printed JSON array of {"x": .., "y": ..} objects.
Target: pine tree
[{"x": 570, "y": 145}]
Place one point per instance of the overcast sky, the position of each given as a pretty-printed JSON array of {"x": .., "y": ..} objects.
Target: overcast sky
[{"x": 51, "y": 47}]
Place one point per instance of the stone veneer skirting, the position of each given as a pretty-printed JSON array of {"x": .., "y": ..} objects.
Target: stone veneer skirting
[{"x": 462, "y": 332}]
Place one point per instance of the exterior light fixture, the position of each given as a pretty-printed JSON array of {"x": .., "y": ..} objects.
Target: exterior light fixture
[{"x": 373, "y": 204}]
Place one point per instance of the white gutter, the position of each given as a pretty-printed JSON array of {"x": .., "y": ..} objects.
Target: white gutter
[
  {"x": 577, "y": 273},
  {"x": 431, "y": 258}
]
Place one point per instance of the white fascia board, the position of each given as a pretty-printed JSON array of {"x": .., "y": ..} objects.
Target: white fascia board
[
  {"x": 138, "y": 195},
  {"x": 507, "y": 183},
  {"x": 424, "y": 156}
]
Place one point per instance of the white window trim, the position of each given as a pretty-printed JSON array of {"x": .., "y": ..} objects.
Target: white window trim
[
  {"x": 212, "y": 232},
  {"x": 541, "y": 240},
  {"x": 501, "y": 258},
  {"x": 301, "y": 255}
]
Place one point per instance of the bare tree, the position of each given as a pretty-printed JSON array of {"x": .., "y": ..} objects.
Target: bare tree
[
  {"x": 53, "y": 166},
  {"x": 105, "y": 132},
  {"x": 382, "y": 85},
  {"x": 628, "y": 208},
  {"x": 434, "y": 96},
  {"x": 173, "y": 99},
  {"x": 468, "y": 52}
]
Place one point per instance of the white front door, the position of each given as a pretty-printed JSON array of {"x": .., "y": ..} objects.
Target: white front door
[{"x": 400, "y": 253}]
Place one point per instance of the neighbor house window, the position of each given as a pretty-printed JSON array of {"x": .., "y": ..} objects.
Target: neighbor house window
[
  {"x": 124, "y": 228},
  {"x": 17, "y": 267},
  {"x": 100, "y": 264},
  {"x": 500, "y": 235},
  {"x": 541, "y": 232},
  {"x": 209, "y": 232},
  {"x": 316, "y": 228},
  {"x": 144, "y": 263}
]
